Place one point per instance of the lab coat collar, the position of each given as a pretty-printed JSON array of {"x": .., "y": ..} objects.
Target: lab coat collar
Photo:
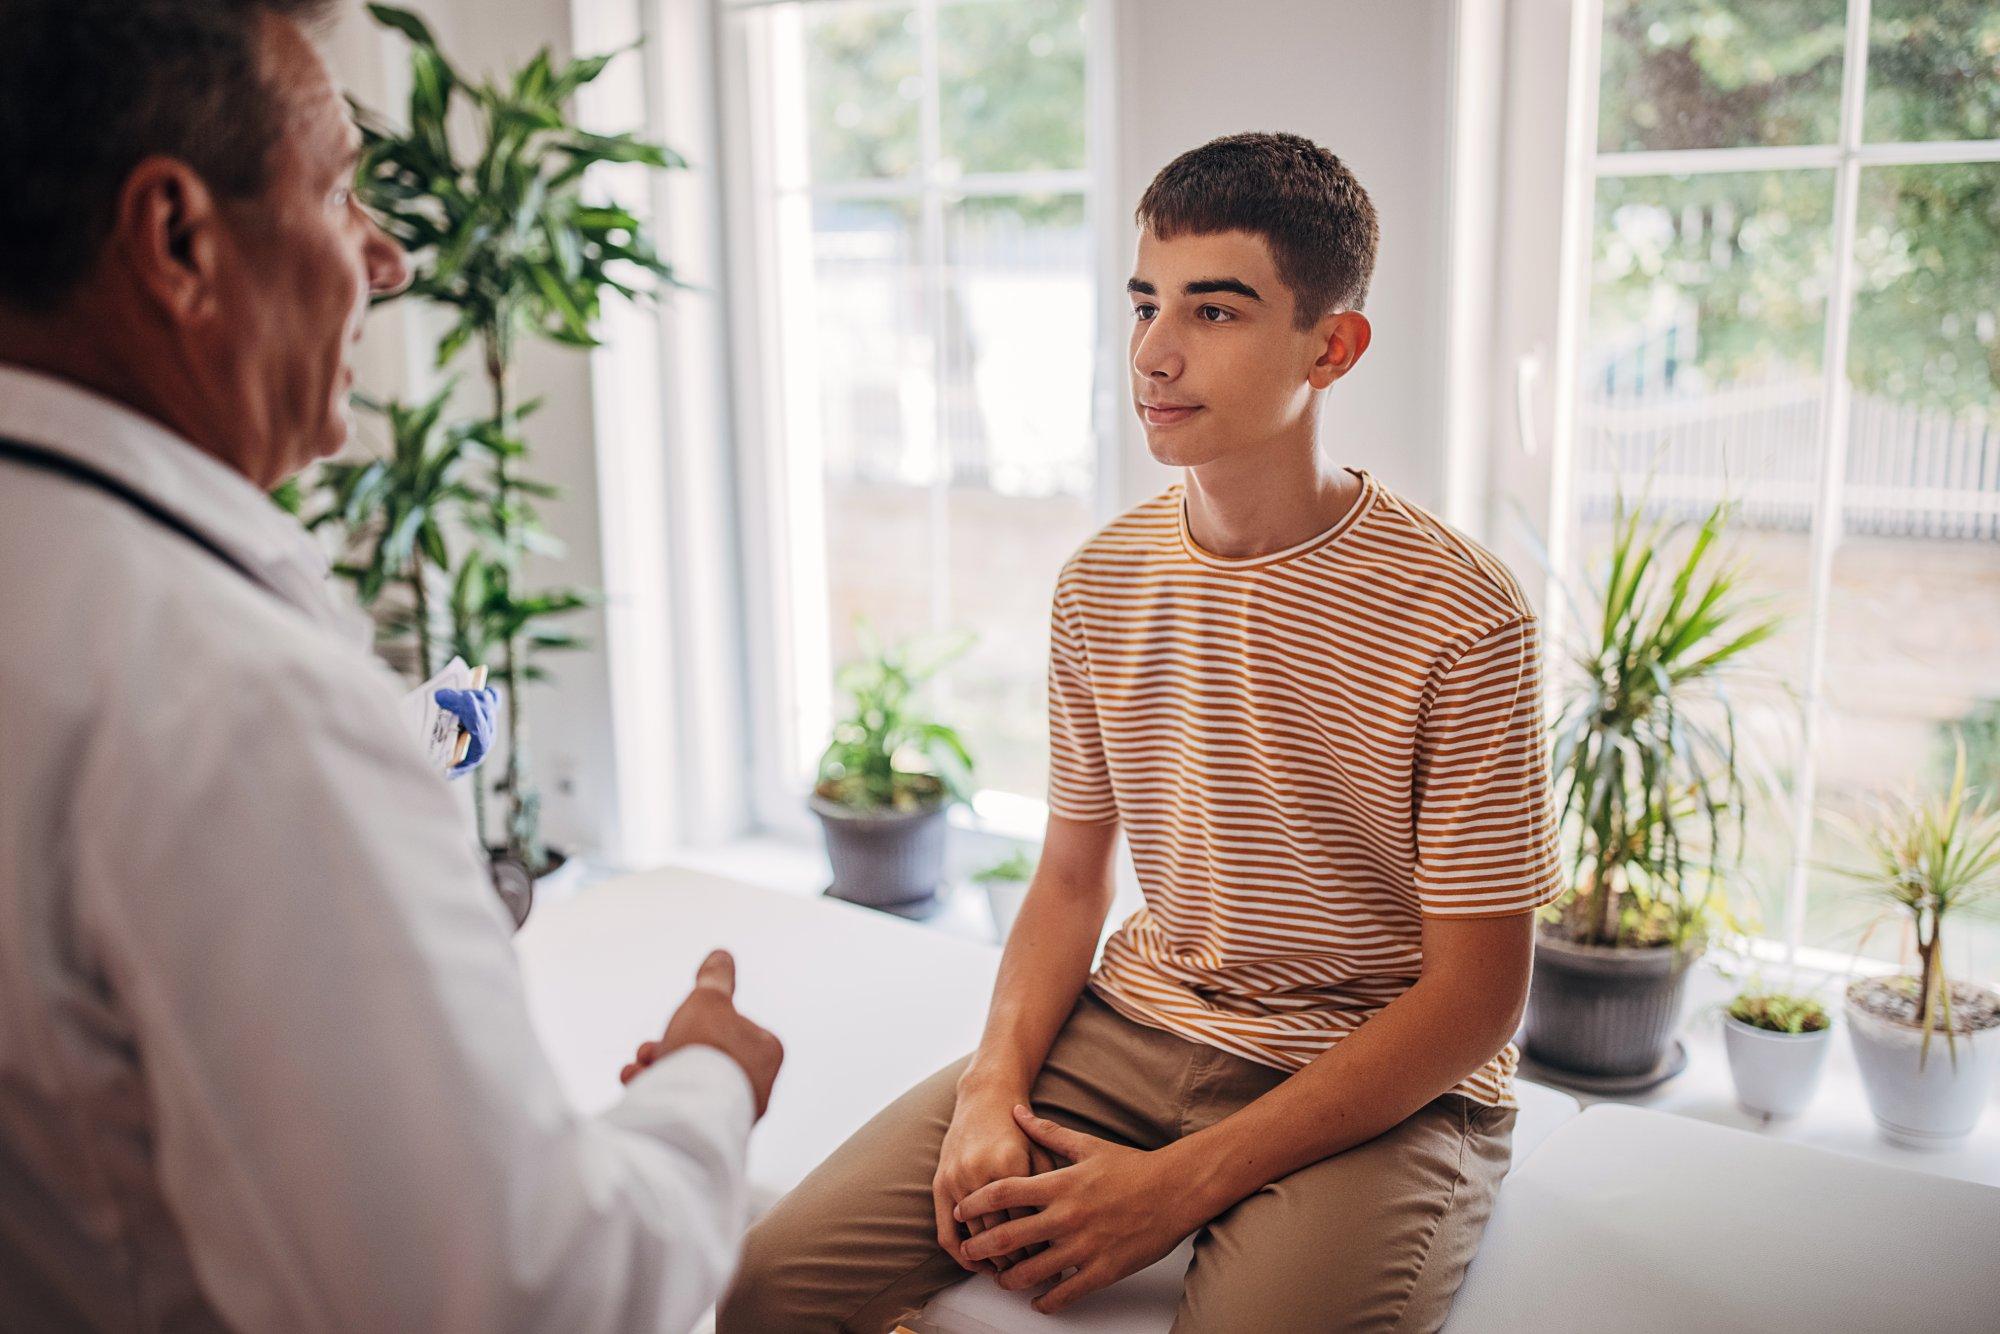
[{"x": 197, "y": 488}]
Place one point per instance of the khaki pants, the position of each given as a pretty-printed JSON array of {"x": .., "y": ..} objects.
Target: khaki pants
[{"x": 1376, "y": 1238}]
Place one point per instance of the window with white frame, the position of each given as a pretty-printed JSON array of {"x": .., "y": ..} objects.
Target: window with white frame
[
  {"x": 919, "y": 193},
  {"x": 1790, "y": 296}
]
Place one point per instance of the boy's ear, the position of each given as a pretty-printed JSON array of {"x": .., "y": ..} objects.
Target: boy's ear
[{"x": 1345, "y": 334}]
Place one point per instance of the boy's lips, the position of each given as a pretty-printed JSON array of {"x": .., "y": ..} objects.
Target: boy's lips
[{"x": 1168, "y": 414}]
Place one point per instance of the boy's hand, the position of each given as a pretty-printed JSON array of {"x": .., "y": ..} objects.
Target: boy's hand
[
  {"x": 982, "y": 1146},
  {"x": 1111, "y": 1213}
]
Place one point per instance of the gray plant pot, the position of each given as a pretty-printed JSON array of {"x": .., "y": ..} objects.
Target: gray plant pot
[
  {"x": 1596, "y": 1010},
  {"x": 883, "y": 859}
]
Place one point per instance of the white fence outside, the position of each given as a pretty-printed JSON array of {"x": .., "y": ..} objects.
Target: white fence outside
[{"x": 1912, "y": 471}]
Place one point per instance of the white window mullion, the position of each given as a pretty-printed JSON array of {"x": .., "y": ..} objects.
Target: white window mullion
[
  {"x": 1579, "y": 241},
  {"x": 1828, "y": 517},
  {"x": 1707, "y": 161},
  {"x": 932, "y": 252}
]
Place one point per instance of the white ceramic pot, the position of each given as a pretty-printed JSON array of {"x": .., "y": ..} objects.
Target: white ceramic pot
[
  {"x": 1005, "y": 898},
  {"x": 1931, "y": 1107},
  {"x": 1776, "y": 1074}
]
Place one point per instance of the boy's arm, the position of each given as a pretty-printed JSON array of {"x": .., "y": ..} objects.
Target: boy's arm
[
  {"x": 1041, "y": 973},
  {"x": 1047, "y": 959},
  {"x": 1462, "y": 1009}
]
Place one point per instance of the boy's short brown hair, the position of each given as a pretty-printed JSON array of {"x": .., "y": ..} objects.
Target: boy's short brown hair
[{"x": 1304, "y": 202}]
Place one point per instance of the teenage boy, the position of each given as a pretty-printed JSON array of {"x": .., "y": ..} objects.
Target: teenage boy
[{"x": 1314, "y": 712}]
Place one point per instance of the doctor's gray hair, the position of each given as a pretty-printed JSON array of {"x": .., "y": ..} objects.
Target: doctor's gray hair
[{"x": 91, "y": 88}]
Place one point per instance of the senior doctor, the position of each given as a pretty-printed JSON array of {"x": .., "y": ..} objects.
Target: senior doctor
[{"x": 265, "y": 1062}]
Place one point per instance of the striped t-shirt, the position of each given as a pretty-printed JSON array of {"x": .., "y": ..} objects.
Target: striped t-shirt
[{"x": 1308, "y": 752}]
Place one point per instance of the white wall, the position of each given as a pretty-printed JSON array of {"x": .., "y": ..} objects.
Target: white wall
[{"x": 1367, "y": 80}]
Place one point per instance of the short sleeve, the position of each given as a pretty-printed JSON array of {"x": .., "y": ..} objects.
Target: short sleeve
[
  {"x": 1486, "y": 829},
  {"x": 1079, "y": 779}
]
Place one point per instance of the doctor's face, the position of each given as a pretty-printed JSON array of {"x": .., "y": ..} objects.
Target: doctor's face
[{"x": 299, "y": 264}]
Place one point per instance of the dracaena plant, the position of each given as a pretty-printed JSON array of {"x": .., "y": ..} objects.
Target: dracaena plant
[
  {"x": 392, "y": 513},
  {"x": 1652, "y": 778},
  {"x": 1931, "y": 858},
  {"x": 506, "y": 234},
  {"x": 887, "y": 752}
]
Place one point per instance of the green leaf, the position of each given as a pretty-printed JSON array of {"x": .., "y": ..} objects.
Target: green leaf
[
  {"x": 433, "y": 544},
  {"x": 404, "y": 22}
]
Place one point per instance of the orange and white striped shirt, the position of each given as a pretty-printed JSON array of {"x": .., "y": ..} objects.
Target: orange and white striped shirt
[{"x": 1309, "y": 752}]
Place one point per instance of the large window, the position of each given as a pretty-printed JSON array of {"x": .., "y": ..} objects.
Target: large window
[
  {"x": 1793, "y": 300},
  {"x": 920, "y": 181}
]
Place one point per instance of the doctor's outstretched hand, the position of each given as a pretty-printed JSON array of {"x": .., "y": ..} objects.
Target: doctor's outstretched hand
[{"x": 708, "y": 1018}]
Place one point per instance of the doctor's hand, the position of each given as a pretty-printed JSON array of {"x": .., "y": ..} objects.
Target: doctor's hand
[
  {"x": 1111, "y": 1212},
  {"x": 708, "y": 1018},
  {"x": 474, "y": 710}
]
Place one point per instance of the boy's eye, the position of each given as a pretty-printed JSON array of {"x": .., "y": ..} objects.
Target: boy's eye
[
  {"x": 1144, "y": 311},
  {"x": 341, "y": 196}
]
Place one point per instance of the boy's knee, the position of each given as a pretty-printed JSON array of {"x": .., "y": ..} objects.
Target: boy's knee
[{"x": 759, "y": 1300}]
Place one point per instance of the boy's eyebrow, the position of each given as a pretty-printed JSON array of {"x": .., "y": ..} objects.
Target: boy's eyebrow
[{"x": 1198, "y": 287}]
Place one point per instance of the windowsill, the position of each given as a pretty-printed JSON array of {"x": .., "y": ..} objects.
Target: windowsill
[{"x": 1838, "y": 1119}]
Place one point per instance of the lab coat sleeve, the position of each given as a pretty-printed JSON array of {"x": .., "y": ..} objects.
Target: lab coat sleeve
[{"x": 352, "y": 1120}]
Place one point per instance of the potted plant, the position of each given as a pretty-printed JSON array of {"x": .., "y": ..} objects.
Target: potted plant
[
  {"x": 389, "y": 515},
  {"x": 888, "y": 778},
  {"x": 1651, "y": 787},
  {"x": 1927, "y": 1045},
  {"x": 1777, "y": 1044},
  {"x": 1006, "y": 886},
  {"x": 505, "y": 236}
]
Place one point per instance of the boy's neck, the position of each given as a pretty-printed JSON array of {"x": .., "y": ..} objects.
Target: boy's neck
[{"x": 1254, "y": 506}]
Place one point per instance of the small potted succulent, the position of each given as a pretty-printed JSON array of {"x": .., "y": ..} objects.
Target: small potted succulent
[
  {"x": 888, "y": 779},
  {"x": 1927, "y": 1045},
  {"x": 1777, "y": 1044},
  {"x": 1006, "y": 886}
]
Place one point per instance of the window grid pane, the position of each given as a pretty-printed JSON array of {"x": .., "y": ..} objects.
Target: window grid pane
[
  {"x": 953, "y": 336},
  {"x": 1918, "y": 562}
]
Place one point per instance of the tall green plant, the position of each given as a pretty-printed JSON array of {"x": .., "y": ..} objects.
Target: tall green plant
[
  {"x": 887, "y": 753},
  {"x": 1646, "y": 754},
  {"x": 392, "y": 513},
  {"x": 504, "y": 234},
  {"x": 1931, "y": 859}
]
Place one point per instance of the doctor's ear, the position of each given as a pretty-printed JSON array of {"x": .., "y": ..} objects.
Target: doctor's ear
[
  {"x": 1344, "y": 335},
  {"x": 168, "y": 236}
]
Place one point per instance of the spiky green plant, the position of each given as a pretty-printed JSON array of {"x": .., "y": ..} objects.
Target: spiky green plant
[
  {"x": 1648, "y": 764},
  {"x": 887, "y": 753},
  {"x": 392, "y": 512},
  {"x": 504, "y": 232},
  {"x": 1931, "y": 858}
]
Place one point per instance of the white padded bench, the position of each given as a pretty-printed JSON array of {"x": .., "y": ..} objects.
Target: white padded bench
[{"x": 1609, "y": 1219}]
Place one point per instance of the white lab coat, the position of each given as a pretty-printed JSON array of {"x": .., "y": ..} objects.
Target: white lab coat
[{"x": 265, "y": 1061}]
